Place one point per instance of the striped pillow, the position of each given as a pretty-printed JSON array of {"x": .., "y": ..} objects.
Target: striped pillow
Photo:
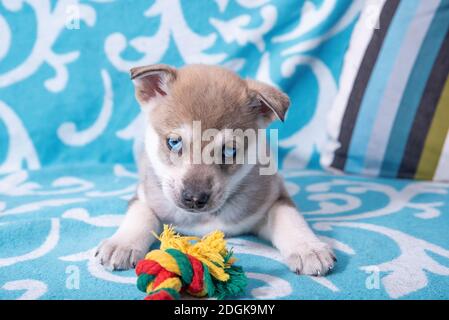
[{"x": 391, "y": 115}]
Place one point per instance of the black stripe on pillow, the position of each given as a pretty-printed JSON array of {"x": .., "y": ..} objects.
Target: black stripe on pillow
[
  {"x": 361, "y": 82},
  {"x": 425, "y": 114}
]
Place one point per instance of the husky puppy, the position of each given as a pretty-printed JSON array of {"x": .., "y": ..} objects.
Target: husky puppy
[{"x": 198, "y": 198}]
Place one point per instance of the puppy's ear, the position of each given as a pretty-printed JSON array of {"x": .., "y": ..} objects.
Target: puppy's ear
[
  {"x": 271, "y": 102},
  {"x": 151, "y": 81}
]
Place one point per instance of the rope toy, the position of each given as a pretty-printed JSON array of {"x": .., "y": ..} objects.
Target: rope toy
[{"x": 200, "y": 267}]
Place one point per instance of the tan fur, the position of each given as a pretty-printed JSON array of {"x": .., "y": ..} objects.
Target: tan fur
[
  {"x": 213, "y": 95},
  {"x": 242, "y": 200}
]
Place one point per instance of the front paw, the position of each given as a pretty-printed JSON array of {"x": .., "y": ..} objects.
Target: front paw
[
  {"x": 114, "y": 254},
  {"x": 314, "y": 259}
]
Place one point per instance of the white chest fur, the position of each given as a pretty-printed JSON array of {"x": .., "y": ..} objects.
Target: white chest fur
[{"x": 199, "y": 224}]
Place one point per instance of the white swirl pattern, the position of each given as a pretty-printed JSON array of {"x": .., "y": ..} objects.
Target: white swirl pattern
[{"x": 67, "y": 139}]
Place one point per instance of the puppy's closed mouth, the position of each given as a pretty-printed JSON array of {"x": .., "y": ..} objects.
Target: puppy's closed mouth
[
  {"x": 197, "y": 200},
  {"x": 214, "y": 210}
]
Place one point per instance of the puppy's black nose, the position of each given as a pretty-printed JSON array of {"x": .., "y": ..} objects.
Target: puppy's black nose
[{"x": 195, "y": 200}]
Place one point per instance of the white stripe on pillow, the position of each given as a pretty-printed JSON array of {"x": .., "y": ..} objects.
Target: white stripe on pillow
[{"x": 360, "y": 40}]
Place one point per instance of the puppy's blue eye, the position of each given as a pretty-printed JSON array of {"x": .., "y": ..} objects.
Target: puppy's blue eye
[
  {"x": 174, "y": 144},
  {"x": 229, "y": 152}
]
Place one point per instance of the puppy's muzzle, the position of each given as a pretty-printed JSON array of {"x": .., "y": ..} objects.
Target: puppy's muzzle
[
  {"x": 197, "y": 192},
  {"x": 195, "y": 200}
]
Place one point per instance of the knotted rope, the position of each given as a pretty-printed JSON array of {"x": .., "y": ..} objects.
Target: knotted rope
[{"x": 200, "y": 267}]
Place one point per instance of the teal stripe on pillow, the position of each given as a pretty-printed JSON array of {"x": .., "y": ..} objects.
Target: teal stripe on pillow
[
  {"x": 421, "y": 154},
  {"x": 396, "y": 85},
  {"x": 386, "y": 15},
  {"x": 377, "y": 84},
  {"x": 391, "y": 114},
  {"x": 414, "y": 92}
]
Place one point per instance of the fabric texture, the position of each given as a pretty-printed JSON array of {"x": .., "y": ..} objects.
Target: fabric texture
[
  {"x": 390, "y": 116},
  {"x": 390, "y": 237},
  {"x": 69, "y": 126},
  {"x": 66, "y": 95}
]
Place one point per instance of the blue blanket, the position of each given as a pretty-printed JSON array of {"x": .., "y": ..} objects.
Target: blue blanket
[{"x": 69, "y": 130}]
